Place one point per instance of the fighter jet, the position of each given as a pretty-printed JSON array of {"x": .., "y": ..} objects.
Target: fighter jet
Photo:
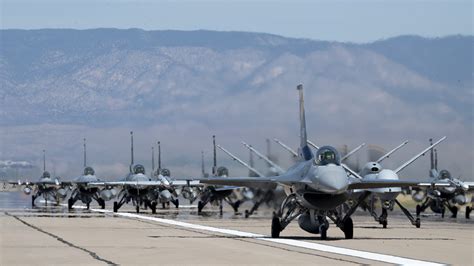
[
  {"x": 217, "y": 194},
  {"x": 84, "y": 192},
  {"x": 166, "y": 193},
  {"x": 263, "y": 193},
  {"x": 316, "y": 186},
  {"x": 136, "y": 187},
  {"x": 388, "y": 196},
  {"x": 47, "y": 187},
  {"x": 438, "y": 199}
]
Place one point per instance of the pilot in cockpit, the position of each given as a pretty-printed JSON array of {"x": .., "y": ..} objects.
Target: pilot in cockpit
[
  {"x": 89, "y": 171},
  {"x": 327, "y": 155},
  {"x": 139, "y": 169}
]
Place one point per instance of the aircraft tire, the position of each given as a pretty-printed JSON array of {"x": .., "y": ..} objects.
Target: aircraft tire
[
  {"x": 153, "y": 207},
  {"x": 324, "y": 232},
  {"x": 115, "y": 206},
  {"x": 276, "y": 227},
  {"x": 468, "y": 212},
  {"x": 454, "y": 210},
  {"x": 200, "y": 206},
  {"x": 137, "y": 208},
  {"x": 247, "y": 213},
  {"x": 102, "y": 204},
  {"x": 417, "y": 223},
  {"x": 349, "y": 228},
  {"x": 384, "y": 224},
  {"x": 69, "y": 204},
  {"x": 176, "y": 203},
  {"x": 87, "y": 205}
]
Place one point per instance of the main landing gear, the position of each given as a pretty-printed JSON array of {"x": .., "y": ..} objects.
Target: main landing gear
[
  {"x": 235, "y": 205},
  {"x": 313, "y": 221},
  {"x": 438, "y": 206}
]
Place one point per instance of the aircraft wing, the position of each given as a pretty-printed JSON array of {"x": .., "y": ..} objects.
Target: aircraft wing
[
  {"x": 385, "y": 183},
  {"x": 193, "y": 183},
  {"x": 152, "y": 183},
  {"x": 470, "y": 185},
  {"x": 240, "y": 181},
  {"x": 225, "y": 188}
]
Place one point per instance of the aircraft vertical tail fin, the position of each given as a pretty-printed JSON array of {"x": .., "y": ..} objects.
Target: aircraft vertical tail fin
[
  {"x": 131, "y": 151},
  {"x": 152, "y": 160},
  {"x": 85, "y": 152},
  {"x": 214, "y": 164},
  {"x": 304, "y": 151},
  {"x": 44, "y": 160},
  {"x": 431, "y": 155},
  {"x": 203, "y": 171},
  {"x": 159, "y": 157}
]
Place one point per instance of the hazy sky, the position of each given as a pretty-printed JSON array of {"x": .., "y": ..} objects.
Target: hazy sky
[{"x": 345, "y": 20}]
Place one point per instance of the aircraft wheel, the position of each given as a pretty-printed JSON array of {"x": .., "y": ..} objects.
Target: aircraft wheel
[
  {"x": 324, "y": 232},
  {"x": 349, "y": 228},
  {"x": 163, "y": 205},
  {"x": 176, "y": 203},
  {"x": 69, "y": 204},
  {"x": 33, "y": 201},
  {"x": 88, "y": 205},
  {"x": 115, "y": 206},
  {"x": 418, "y": 210},
  {"x": 276, "y": 227},
  {"x": 442, "y": 212},
  {"x": 247, "y": 213},
  {"x": 137, "y": 208},
  {"x": 454, "y": 210},
  {"x": 468, "y": 212},
  {"x": 417, "y": 223},
  {"x": 384, "y": 224},
  {"x": 153, "y": 207},
  {"x": 200, "y": 206},
  {"x": 102, "y": 204}
]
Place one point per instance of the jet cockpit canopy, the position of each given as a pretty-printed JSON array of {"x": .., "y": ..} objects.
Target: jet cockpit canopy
[
  {"x": 327, "y": 155},
  {"x": 89, "y": 171},
  {"x": 139, "y": 169},
  {"x": 46, "y": 174},
  {"x": 165, "y": 172},
  {"x": 445, "y": 174}
]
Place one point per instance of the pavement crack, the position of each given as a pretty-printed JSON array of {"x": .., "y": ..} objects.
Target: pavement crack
[{"x": 92, "y": 254}]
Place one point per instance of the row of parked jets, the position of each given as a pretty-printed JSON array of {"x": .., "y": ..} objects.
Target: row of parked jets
[{"x": 318, "y": 188}]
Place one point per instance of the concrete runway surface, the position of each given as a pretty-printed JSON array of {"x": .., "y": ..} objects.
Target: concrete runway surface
[{"x": 52, "y": 235}]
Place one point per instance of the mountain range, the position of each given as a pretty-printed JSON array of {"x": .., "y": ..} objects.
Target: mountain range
[{"x": 59, "y": 85}]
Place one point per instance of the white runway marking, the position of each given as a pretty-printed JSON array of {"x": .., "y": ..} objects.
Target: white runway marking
[{"x": 289, "y": 242}]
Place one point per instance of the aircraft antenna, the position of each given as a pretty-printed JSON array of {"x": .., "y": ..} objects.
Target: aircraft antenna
[
  {"x": 214, "y": 166},
  {"x": 436, "y": 159},
  {"x": 159, "y": 157}
]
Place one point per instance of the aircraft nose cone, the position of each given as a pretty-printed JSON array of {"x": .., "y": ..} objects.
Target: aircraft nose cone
[{"x": 331, "y": 179}]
